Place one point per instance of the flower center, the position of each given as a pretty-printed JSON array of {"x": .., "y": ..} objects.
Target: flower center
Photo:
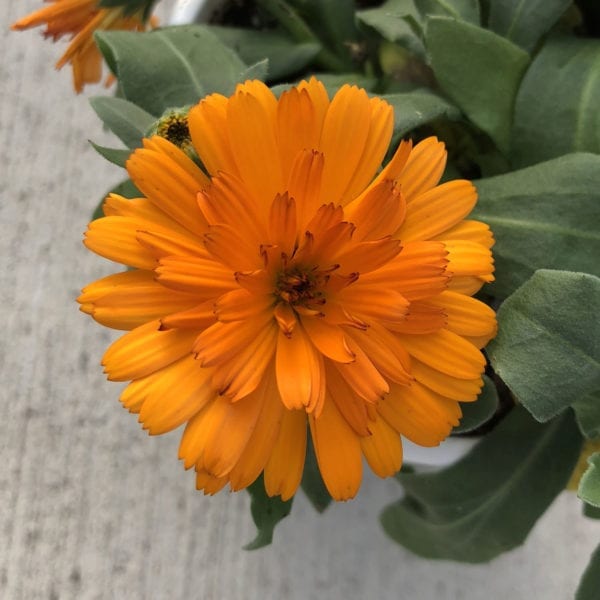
[{"x": 299, "y": 285}]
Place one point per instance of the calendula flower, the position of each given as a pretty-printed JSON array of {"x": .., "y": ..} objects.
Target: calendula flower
[
  {"x": 290, "y": 286},
  {"x": 80, "y": 19}
]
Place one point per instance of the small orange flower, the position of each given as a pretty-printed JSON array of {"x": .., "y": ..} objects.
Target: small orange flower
[
  {"x": 290, "y": 284},
  {"x": 80, "y": 19}
]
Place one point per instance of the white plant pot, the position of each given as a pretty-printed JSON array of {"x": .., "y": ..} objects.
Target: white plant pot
[{"x": 193, "y": 11}]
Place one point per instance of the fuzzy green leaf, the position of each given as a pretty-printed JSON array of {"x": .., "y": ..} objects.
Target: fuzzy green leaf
[
  {"x": 590, "y": 582},
  {"x": 127, "y": 121},
  {"x": 414, "y": 109},
  {"x": 479, "y": 70},
  {"x": 393, "y": 21},
  {"x": 589, "y": 486},
  {"x": 266, "y": 513},
  {"x": 545, "y": 216},
  {"x": 312, "y": 482},
  {"x": 472, "y": 513},
  {"x": 170, "y": 67},
  {"x": 475, "y": 414},
  {"x": 587, "y": 415},
  {"x": 547, "y": 349},
  {"x": 463, "y": 10},
  {"x": 556, "y": 111},
  {"x": 117, "y": 156},
  {"x": 285, "y": 56},
  {"x": 525, "y": 21}
]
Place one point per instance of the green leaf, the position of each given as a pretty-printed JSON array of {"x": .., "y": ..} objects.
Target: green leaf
[
  {"x": 117, "y": 156},
  {"x": 170, "y": 67},
  {"x": 258, "y": 70},
  {"x": 525, "y": 21},
  {"x": 587, "y": 415},
  {"x": 475, "y": 414},
  {"x": 545, "y": 216},
  {"x": 312, "y": 482},
  {"x": 126, "y": 120},
  {"x": 479, "y": 70},
  {"x": 488, "y": 502},
  {"x": 547, "y": 349},
  {"x": 463, "y": 10},
  {"x": 564, "y": 117},
  {"x": 591, "y": 512},
  {"x": 590, "y": 582},
  {"x": 393, "y": 21},
  {"x": 266, "y": 512},
  {"x": 129, "y": 6},
  {"x": 589, "y": 486},
  {"x": 413, "y": 109},
  {"x": 286, "y": 57}
]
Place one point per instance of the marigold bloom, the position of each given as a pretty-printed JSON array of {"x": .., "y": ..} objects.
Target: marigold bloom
[
  {"x": 80, "y": 19},
  {"x": 292, "y": 284}
]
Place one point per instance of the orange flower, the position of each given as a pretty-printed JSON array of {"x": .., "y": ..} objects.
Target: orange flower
[
  {"x": 80, "y": 19},
  {"x": 292, "y": 284}
]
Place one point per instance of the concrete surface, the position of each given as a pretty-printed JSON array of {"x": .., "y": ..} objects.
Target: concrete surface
[{"x": 90, "y": 506}]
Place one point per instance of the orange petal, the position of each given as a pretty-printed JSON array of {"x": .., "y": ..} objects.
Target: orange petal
[
  {"x": 468, "y": 259},
  {"x": 282, "y": 223},
  {"x": 342, "y": 145},
  {"x": 421, "y": 318},
  {"x": 304, "y": 184},
  {"x": 208, "y": 483},
  {"x": 203, "y": 277},
  {"x": 240, "y": 304},
  {"x": 423, "y": 168},
  {"x": 338, "y": 452},
  {"x": 379, "y": 212},
  {"x": 362, "y": 376},
  {"x": 228, "y": 438},
  {"x": 172, "y": 187},
  {"x": 373, "y": 302},
  {"x": 382, "y": 449},
  {"x": 128, "y": 300},
  {"x": 446, "y": 352},
  {"x": 115, "y": 238},
  {"x": 471, "y": 231},
  {"x": 174, "y": 395},
  {"x": 145, "y": 350},
  {"x": 375, "y": 146},
  {"x": 299, "y": 368},
  {"x": 283, "y": 471},
  {"x": 349, "y": 405},
  {"x": 238, "y": 253},
  {"x": 261, "y": 442},
  {"x": 197, "y": 318},
  {"x": 463, "y": 390},
  {"x": 207, "y": 122},
  {"x": 419, "y": 414},
  {"x": 328, "y": 339},
  {"x": 437, "y": 210},
  {"x": 363, "y": 257}
]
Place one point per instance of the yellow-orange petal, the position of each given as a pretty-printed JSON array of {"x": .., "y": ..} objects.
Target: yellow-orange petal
[
  {"x": 174, "y": 395},
  {"x": 128, "y": 300},
  {"x": 202, "y": 277},
  {"x": 208, "y": 483},
  {"x": 375, "y": 146},
  {"x": 145, "y": 350},
  {"x": 299, "y": 368},
  {"x": 115, "y": 238},
  {"x": 283, "y": 470},
  {"x": 424, "y": 417},
  {"x": 382, "y": 449},
  {"x": 304, "y": 184},
  {"x": 352, "y": 408},
  {"x": 169, "y": 185},
  {"x": 446, "y": 352},
  {"x": 227, "y": 439},
  {"x": 378, "y": 213},
  {"x": 207, "y": 123},
  {"x": 338, "y": 452},
  {"x": 423, "y": 168},
  {"x": 468, "y": 259},
  {"x": 329, "y": 339},
  {"x": 463, "y": 390},
  {"x": 437, "y": 210},
  {"x": 261, "y": 442},
  {"x": 471, "y": 231},
  {"x": 342, "y": 145}
]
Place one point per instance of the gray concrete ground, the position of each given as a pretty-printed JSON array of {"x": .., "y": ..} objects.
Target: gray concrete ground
[{"x": 90, "y": 506}]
